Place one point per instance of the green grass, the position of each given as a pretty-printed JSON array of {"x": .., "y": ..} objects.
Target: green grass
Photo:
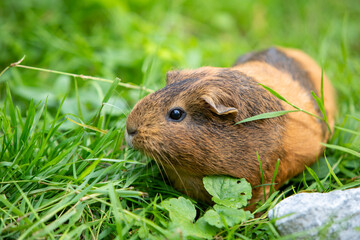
[{"x": 61, "y": 180}]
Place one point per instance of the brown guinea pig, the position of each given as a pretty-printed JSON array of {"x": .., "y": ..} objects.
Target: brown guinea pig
[{"x": 188, "y": 127}]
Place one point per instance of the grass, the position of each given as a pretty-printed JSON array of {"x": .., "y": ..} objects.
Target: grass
[{"x": 61, "y": 180}]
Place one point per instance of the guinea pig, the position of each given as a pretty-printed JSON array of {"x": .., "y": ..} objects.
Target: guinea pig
[{"x": 189, "y": 127}]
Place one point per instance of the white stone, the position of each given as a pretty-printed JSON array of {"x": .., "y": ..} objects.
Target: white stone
[{"x": 333, "y": 215}]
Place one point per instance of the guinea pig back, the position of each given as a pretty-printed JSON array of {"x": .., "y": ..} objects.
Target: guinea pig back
[{"x": 188, "y": 127}]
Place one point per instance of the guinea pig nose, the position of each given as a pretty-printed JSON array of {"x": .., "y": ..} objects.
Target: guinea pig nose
[{"x": 131, "y": 130}]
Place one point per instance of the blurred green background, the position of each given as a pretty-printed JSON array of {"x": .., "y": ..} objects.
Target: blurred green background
[{"x": 139, "y": 40}]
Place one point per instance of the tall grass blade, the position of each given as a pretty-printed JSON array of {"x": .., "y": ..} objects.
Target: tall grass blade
[
  {"x": 343, "y": 149},
  {"x": 262, "y": 176},
  {"x": 116, "y": 208},
  {"x": 313, "y": 174},
  {"x": 276, "y": 94},
  {"x": 89, "y": 169},
  {"x": 266, "y": 116},
  {"x": 274, "y": 176},
  {"x": 322, "y": 110},
  {"x": 348, "y": 130},
  {"x": 332, "y": 172}
]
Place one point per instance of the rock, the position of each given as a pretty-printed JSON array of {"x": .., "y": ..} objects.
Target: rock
[{"x": 333, "y": 215}]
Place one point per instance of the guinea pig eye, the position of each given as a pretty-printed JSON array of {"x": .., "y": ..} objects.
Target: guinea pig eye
[{"x": 176, "y": 114}]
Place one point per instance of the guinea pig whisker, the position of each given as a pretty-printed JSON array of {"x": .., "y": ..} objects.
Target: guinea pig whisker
[
  {"x": 160, "y": 166},
  {"x": 165, "y": 158}
]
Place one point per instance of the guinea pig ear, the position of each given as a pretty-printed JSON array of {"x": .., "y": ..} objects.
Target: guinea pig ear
[
  {"x": 219, "y": 108},
  {"x": 172, "y": 76}
]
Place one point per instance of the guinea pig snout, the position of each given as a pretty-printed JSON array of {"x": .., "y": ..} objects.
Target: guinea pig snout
[
  {"x": 129, "y": 134},
  {"x": 131, "y": 130}
]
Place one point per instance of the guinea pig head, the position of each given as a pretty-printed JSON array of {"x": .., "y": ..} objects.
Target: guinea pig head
[{"x": 190, "y": 124}]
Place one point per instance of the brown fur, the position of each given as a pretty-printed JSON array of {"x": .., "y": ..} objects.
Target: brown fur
[{"x": 207, "y": 141}]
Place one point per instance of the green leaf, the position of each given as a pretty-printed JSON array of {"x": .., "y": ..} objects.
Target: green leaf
[
  {"x": 213, "y": 218},
  {"x": 182, "y": 214},
  {"x": 266, "y": 116},
  {"x": 180, "y": 209},
  {"x": 228, "y": 191},
  {"x": 207, "y": 229},
  {"x": 223, "y": 216}
]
